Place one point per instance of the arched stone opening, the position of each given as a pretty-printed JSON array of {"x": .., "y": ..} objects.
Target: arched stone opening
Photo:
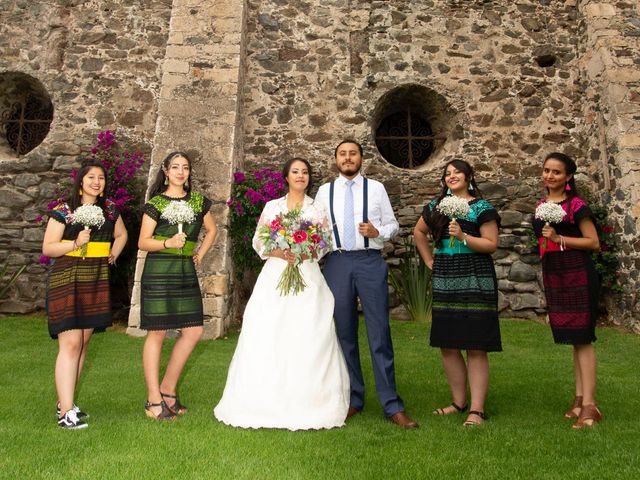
[
  {"x": 411, "y": 125},
  {"x": 26, "y": 113}
]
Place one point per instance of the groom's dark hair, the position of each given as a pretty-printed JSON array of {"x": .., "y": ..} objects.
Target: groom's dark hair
[
  {"x": 287, "y": 167},
  {"x": 348, "y": 140}
]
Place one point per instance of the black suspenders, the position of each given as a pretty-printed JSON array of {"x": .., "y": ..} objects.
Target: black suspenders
[{"x": 365, "y": 212}]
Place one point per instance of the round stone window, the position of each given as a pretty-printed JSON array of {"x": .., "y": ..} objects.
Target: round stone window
[
  {"x": 26, "y": 113},
  {"x": 410, "y": 124}
]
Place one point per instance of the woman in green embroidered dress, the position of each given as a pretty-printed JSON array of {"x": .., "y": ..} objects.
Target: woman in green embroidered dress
[{"x": 170, "y": 294}]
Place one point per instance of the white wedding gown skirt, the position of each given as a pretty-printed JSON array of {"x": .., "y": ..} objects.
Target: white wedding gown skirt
[{"x": 288, "y": 370}]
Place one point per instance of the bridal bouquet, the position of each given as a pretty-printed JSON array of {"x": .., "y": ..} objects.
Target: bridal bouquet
[
  {"x": 179, "y": 213},
  {"x": 549, "y": 212},
  {"x": 303, "y": 237},
  {"x": 88, "y": 216},
  {"x": 453, "y": 207}
]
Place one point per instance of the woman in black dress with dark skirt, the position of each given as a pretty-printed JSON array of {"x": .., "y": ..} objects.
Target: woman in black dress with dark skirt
[
  {"x": 170, "y": 294},
  {"x": 465, "y": 289},
  {"x": 571, "y": 282},
  {"x": 78, "y": 301}
]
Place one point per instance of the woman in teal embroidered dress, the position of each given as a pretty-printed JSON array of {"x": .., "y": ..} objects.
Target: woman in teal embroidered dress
[
  {"x": 170, "y": 293},
  {"x": 465, "y": 289}
]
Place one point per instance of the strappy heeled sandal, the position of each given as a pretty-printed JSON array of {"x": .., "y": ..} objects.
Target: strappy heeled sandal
[
  {"x": 589, "y": 416},
  {"x": 165, "y": 412},
  {"x": 176, "y": 407},
  {"x": 458, "y": 409},
  {"x": 474, "y": 423},
  {"x": 577, "y": 403}
]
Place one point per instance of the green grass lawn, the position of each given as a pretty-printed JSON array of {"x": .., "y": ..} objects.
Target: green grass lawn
[{"x": 525, "y": 437}]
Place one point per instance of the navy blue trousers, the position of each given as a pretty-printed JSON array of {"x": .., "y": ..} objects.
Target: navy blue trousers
[{"x": 364, "y": 274}]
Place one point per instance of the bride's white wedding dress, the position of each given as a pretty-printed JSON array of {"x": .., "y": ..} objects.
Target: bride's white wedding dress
[{"x": 288, "y": 370}]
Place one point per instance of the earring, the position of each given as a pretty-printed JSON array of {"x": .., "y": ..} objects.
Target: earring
[
  {"x": 470, "y": 188},
  {"x": 166, "y": 181},
  {"x": 567, "y": 187},
  {"x": 102, "y": 194},
  {"x": 80, "y": 192},
  {"x": 448, "y": 191},
  {"x": 186, "y": 184}
]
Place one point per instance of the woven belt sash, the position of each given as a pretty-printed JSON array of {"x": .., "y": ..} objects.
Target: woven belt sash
[
  {"x": 186, "y": 251},
  {"x": 93, "y": 250}
]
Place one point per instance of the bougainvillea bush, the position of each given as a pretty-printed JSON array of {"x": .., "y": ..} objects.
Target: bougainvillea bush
[{"x": 249, "y": 194}]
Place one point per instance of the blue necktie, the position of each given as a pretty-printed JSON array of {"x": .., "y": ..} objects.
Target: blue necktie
[{"x": 349, "y": 224}]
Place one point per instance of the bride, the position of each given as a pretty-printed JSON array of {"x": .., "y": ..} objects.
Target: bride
[{"x": 288, "y": 370}]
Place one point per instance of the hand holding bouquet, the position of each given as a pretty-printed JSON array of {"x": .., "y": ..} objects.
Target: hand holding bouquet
[
  {"x": 453, "y": 207},
  {"x": 89, "y": 216},
  {"x": 305, "y": 239},
  {"x": 549, "y": 212},
  {"x": 179, "y": 213}
]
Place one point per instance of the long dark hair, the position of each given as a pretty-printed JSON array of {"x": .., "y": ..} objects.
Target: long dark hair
[
  {"x": 570, "y": 168},
  {"x": 438, "y": 222},
  {"x": 75, "y": 199},
  {"x": 286, "y": 168},
  {"x": 158, "y": 186}
]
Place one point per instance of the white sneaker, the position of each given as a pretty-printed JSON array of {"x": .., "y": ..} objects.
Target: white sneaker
[
  {"x": 75, "y": 408},
  {"x": 71, "y": 421}
]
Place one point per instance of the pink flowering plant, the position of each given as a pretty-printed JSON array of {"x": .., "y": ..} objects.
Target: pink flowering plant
[
  {"x": 249, "y": 194},
  {"x": 305, "y": 239}
]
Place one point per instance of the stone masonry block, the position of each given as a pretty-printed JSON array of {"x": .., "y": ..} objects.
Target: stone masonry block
[
  {"x": 215, "y": 285},
  {"x": 175, "y": 66},
  {"x": 214, "y": 306},
  {"x": 600, "y": 10},
  {"x": 213, "y": 328}
]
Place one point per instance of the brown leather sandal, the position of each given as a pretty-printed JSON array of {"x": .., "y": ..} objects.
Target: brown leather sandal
[
  {"x": 165, "y": 414},
  {"x": 176, "y": 407},
  {"x": 472, "y": 422},
  {"x": 589, "y": 416},
  {"x": 441, "y": 411},
  {"x": 577, "y": 403}
]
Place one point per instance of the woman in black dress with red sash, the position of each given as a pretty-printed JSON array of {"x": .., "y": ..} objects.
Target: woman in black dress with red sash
[{"x": 570, "y": 280}]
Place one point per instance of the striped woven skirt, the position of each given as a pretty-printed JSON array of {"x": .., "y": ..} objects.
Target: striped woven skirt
[
  {"x": 571, "y": 287},
  {"x": 170, "y": 294},
  {"x": 78, "y": 295},
  {"x": 465, "y": 303}
]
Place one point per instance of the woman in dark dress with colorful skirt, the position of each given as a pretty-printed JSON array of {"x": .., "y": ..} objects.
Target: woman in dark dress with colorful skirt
[
  {"x": 465, "y": 289},
  {"x": 170, "y": 293},
  {"x": 78, "y": 301},
  {"x": 571, "y": 283}
]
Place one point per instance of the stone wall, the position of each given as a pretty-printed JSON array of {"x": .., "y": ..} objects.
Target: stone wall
[
  {"x": 99, "y": 61},
  {"x": 610, "y": 66},
  {"x": 317, "y": 72}
]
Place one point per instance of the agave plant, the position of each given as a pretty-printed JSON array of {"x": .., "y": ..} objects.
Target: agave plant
[
  {"x": 412, "y": 283},
  {"x": 7, "y": 280}
]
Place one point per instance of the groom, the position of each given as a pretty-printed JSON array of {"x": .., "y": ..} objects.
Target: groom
[{"x": 362, "y": 220}]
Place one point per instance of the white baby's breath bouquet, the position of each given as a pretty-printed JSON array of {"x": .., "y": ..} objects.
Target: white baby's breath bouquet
[
  {"x": 453, "y": 207},
  {"x": 88, "y": 216},
  {"x": 179, "y": 213},
  {"x": 549, "y": 212}
]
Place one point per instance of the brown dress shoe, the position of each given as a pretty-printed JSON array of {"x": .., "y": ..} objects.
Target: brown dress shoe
[
  {"x": 351, "y": 412},
  {"x": 403, "y": 420}
]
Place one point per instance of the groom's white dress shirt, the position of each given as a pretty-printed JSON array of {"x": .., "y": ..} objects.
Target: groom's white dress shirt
[{"x": 379, "y": 210}]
